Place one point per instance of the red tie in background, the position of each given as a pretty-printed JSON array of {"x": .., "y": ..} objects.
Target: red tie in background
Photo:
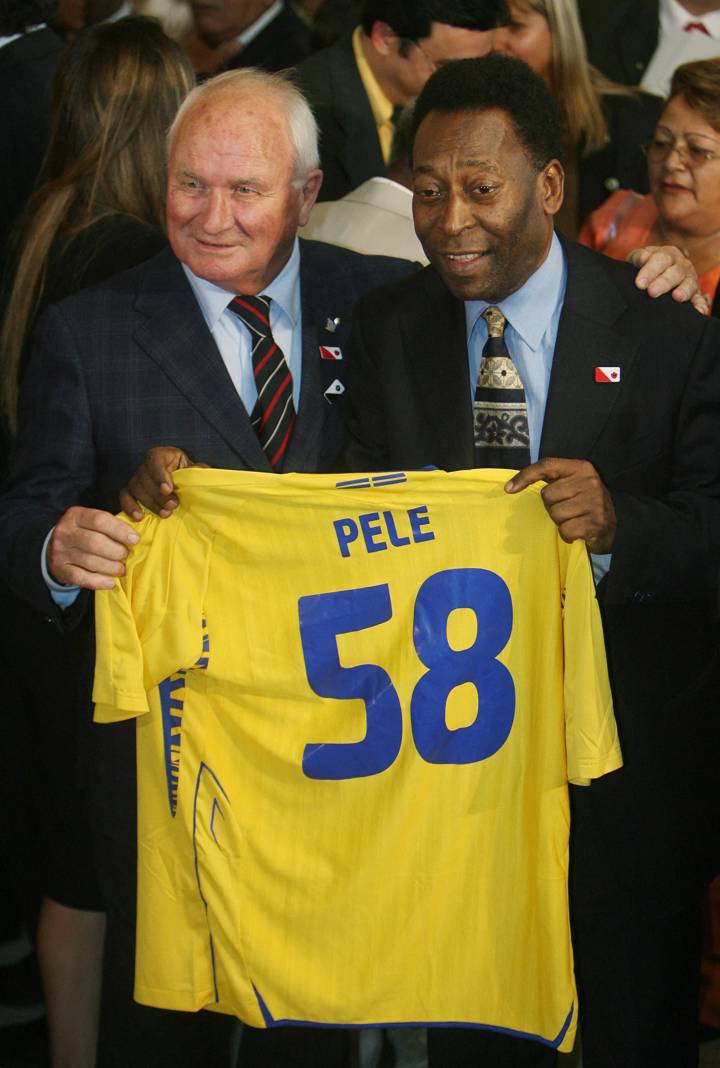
[
  {"x": 273, "y": 416},
  {"x": 699, "y": 26}
]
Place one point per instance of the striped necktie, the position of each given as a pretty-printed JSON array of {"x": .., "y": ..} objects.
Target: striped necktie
[
  {"x": 273, "y": 416},
  {"x": 502, "y": 438}
]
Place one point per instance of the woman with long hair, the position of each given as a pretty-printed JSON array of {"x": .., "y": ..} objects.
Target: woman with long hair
[
  {"x": 605, "y": 124},
  {"x": 100, "y": 205},
  {"x": 98, "y": 210}
]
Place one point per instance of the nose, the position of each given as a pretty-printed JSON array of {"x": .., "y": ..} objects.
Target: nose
[
  {"x": 458, "y": 214},
  {"x": 217, "y": 215}
]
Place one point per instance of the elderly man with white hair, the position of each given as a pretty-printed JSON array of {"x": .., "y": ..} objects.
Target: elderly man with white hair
[{"x": 169, "y": 352}]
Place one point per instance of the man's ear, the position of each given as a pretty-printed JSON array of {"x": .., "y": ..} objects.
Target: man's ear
[
  {"x": 309, "y": 194},
  {"x": 552, "y": 179},
  {"x": 383, "y": 38}
]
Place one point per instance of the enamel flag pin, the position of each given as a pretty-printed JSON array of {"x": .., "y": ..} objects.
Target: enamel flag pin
[
  {"x": 607, "y": 374},
  {"x": 332, "y": 324},
  {"x": 335, "y": 389},
  {"x": 330, "y": 352}
]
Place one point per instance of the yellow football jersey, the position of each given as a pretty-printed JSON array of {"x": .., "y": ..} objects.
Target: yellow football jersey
[{"x": 359, "y": 703}]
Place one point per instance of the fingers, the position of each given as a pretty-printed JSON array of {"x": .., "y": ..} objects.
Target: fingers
[
  {"x": 88, "y": 548},
  {"x": 575, "y": 498},
  {"x": 700, "y": 303},
  {"x": 664, "y": 269},
  {"x": 549, "y": 469},
  {"x": 152, "y": 484}
]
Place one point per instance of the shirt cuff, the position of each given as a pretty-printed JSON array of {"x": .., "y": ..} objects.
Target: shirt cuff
[
  {"x": 62, "y": 595},
  {"x": 600, "y": 563}
]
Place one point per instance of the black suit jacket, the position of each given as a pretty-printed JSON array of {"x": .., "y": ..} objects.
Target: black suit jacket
[
  {"x": 655, "y": 440},
  {"x": 350, "y": 150},
  {"x": 27, "y": 68},
  {"x": 130, "y": 364},
  {"x": 621, "y": 37},
  {"x": 284, "y": 42},
  {"x": 621, "y": 163}
]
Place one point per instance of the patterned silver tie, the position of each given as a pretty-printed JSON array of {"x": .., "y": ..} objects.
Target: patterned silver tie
[{"x": 502, "y": 438}]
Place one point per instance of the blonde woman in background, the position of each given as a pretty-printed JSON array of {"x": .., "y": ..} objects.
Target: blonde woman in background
[{"x": 606, "y": 124}]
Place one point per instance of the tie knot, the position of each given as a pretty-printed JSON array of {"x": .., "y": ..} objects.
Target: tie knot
[
  {"x": 496, "y": 321},
  {"x": 254, "y": 311}
]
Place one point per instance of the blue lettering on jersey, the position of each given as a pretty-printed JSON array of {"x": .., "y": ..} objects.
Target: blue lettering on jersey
[
  {"x": 376, "y": 527},
  {"x": 324, "y": 616}
]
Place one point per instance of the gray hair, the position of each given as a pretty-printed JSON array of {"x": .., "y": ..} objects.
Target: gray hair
[{"x": 250, "y": 81}]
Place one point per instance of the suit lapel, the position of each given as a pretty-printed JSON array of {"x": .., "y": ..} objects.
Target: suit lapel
[
  {"x": 435, "y": 346},
  {"x": 320, "y": 305},
  {"x": 175, "y": 335},
  {"x": 578, "y": 406},
  {"x": 361, "y": 151}
]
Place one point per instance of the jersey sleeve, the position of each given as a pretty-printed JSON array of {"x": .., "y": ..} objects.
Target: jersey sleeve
[
  {"x": 150, "y": 625},
  {"x": 593, "y": 747}
]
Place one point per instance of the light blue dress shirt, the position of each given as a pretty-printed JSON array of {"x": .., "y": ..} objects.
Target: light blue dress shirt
[
  {"x": 533, "y": 316},
  {"x": 233, "y": 338},
  {"x": 234, "y": 343}
]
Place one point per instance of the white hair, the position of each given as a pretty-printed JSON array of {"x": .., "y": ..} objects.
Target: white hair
[{"x": 252, "y": 82}]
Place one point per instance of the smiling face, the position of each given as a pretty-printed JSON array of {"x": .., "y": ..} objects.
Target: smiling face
[
  {"x": 686, "y": 184},
  {"x": 232, "y": 211},
  {"x": 482, "y": 210}
]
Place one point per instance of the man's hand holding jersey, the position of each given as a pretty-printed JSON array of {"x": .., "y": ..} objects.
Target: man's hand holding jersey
[
  {"x": 152, "y": 486},
  {"x": 575, "y": 498}
]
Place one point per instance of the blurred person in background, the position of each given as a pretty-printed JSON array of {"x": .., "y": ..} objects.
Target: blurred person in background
[
  {"x": 29, "y": 54},
  {"x": 358, "y": 86},
  {"x": 99, "y": 209},
  {"x": 228, "y": 34},
  {"x": 605, "y": 124},
  {"x": 683, "y": 161}
]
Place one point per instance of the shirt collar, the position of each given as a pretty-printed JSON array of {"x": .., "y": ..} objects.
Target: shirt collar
[
  {"x": 251, "y": 32},
  {"x": 673, "y": 16},
  {"x": 381, "y": 107},
  {"x": 15, "y": 36},
  {"x": 284, "y": 290},
  {"x": 530, "y": 309}
]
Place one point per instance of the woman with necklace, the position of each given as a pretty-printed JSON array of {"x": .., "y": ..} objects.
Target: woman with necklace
[{"x": 683, "y": 206}]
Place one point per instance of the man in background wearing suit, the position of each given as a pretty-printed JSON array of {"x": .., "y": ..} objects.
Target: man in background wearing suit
[
  {"x": 163, "y": 353},
  {"x": 622, "y": 37},
  {"x": 246, "y": 33},
  {"x": 356, "y": 86},
  {"x": 616, "y": 406}
]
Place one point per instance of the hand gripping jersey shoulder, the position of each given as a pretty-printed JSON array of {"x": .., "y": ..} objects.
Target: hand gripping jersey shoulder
[{"x": 359, "y": 703}]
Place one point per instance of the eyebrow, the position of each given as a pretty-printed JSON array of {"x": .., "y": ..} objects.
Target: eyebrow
[
  {"x": 686, "y": 133},
  {"x": 427, "y": 168}
]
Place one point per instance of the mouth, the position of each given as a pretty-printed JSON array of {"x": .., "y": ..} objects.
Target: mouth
[
  {"x": 673, "y": 187},
  {"x": 459, "y": 262}
]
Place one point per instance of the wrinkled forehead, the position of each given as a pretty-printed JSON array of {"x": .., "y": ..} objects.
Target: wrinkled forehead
[
  {"x": 234, "y": 123},
  {"x": 464, "y": 135}
]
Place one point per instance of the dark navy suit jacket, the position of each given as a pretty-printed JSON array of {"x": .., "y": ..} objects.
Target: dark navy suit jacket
[{"x": 130, "y": 364}]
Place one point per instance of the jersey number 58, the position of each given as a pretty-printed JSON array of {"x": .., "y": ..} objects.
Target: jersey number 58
[{"x": 326, "y": 615}]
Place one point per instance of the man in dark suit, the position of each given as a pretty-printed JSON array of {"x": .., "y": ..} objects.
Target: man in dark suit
[
  {"x": 246, "y": 33},
  {"x": 157, "y": 355},
  {"x": 621, "y": 417},
  {"x": 28, "y": 58},
  {"x": 357, "y": 84},
  {"x": 622, "y": 37}
]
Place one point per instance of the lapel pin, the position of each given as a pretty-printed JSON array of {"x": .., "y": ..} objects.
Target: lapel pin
[
  {"x": 330, "y": 352},
  {"x": 332, "y": 324},
  {"x": 607, "y": 374},
  {"x": 335, "y": 389}
]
